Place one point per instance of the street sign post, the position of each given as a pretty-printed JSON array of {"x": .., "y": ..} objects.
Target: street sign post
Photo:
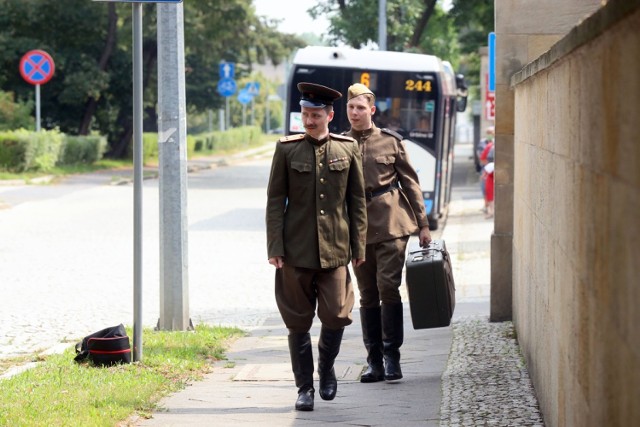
[{"x": 37, "y": 68}]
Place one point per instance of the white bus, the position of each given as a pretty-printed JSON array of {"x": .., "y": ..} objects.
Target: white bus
[{"x": 416, "y": 95}]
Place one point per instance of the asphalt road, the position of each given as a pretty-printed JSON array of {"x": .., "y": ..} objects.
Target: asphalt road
[{"x": 66, "y": 255}]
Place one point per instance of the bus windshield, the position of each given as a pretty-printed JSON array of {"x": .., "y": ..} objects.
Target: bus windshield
[{"x": 405, "y": 101}]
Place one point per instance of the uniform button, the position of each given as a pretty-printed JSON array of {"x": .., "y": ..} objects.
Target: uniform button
[
  {"x": 320, "y": 164},
  {"x": 322, "y": 180},
  {"x": 321, "y": 211},
  {"x": 322, "y": 196}
]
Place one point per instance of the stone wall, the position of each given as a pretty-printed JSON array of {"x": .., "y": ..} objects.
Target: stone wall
[{"x": 576, "y": 211}]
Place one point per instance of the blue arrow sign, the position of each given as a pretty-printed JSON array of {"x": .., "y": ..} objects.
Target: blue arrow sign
[
  {"x": 227, "y": 87},
  {"x": 227, "y": 70}
]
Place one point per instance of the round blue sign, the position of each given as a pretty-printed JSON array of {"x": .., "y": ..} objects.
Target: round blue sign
[
  {"x": 227, "y": 87},
  {"x": 244, "y": 96},
  {"x": 37, "y": 67}
]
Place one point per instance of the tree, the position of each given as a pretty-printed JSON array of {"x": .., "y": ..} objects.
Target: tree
[
  {"x": 419, "y": 26},
  {"x": 91, "y": 46}
]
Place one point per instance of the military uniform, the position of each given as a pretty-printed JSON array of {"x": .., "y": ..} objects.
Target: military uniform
[
  {"x": 395, "y": 210},
  {"x": 316, "y": 221}
]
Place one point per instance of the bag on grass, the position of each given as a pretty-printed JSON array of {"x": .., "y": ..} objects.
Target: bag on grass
[{"x": 106, "y": 347}]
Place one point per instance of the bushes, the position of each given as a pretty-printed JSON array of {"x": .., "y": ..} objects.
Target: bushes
[
  {"x": 82, "y": 149},
  {"x": 22, "y": 150},
  {"x": 231, "y": 139}
]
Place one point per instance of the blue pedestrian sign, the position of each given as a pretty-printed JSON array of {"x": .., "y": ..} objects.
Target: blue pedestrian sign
[
  {"x": 253, "y": 88},
  {"x": 492, "y": 61},
  {"x": 227, "y": 70},
  {"x": 244, "y": 97},
  {"x": 227, "y": 87}
]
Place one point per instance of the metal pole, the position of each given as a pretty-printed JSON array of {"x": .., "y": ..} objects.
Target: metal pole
[
  {"x": 226, "y": 101},
  {"x": 221, "y": 118},
  {"x": 382, "y": 24},
  {"x": 172, "y": 149},
  {"x": 253, "y": 109},
  {"x": 137, "y": 181},
  {"x": 244, "y": 114},
  {"x": 37, "y": 108},
  {"x": 268, "y": 124}
]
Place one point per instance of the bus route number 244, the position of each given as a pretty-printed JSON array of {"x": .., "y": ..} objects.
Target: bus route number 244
[{"x": 417, "y": 86}]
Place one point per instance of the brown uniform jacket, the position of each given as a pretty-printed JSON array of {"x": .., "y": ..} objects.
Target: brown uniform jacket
[
  {"x": 316, "y": 208},
  {"x": 399, "y": 212}
]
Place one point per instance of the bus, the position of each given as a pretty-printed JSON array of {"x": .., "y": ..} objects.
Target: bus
[{"x": 416, "y": 95}]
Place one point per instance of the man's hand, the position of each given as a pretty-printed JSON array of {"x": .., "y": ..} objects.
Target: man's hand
[
  {"x": 357, "y": 262},
  {"x": 276, "y": 261},
  {"x": 425, "y": 237}
]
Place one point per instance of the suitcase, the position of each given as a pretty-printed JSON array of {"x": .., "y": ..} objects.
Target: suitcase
[{"x": 430, "y": 286}]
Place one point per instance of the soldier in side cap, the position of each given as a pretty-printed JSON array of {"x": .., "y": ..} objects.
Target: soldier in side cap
[
  {"x": 395, "y": 210},
  {"x": 316, "y": 222}
]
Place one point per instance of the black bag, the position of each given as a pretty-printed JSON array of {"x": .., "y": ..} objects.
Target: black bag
[
  {"x": 106, "y": 347},
  {"x": 430, "y": 285}
]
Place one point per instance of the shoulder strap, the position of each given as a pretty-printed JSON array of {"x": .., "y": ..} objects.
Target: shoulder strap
[
  {"x": 292, "y": 138},
  {"x": 342, "y": 137},
  {"x": 392, "y": 133}
]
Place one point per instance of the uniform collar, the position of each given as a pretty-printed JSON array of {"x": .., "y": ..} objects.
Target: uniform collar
[
  {"x": 314, "y": 141},
  {"x": 363, "y": 134}
]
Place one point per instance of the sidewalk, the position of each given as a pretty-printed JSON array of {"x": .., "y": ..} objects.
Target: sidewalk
[{"x": 467, "y": 374}]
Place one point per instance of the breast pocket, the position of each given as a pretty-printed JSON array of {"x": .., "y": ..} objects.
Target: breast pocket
[
  {"x": 301, "y": 167},
  {"x": 385, "y": 160}
]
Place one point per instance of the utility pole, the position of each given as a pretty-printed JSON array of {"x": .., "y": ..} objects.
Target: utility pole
[
  {"x": 172, "y": 140},
  {"x": 382, "y": 24}
]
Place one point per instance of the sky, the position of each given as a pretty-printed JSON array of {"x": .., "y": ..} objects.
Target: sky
[{"x": 296, "y": 20}]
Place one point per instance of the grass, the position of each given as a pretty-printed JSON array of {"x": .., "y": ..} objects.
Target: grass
[
  {"x": 62, "y": 392},
  {"x": 60, "y": 171}
]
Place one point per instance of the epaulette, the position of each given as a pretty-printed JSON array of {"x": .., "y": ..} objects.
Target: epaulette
[
  {"x": 292, "y": 138},
  {"x": 392, "y": 133},
  {"x": 341, "y": 137}
]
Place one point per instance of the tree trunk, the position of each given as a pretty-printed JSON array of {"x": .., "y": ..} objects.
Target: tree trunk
[
  {"x": 421, "y": 25},
  {"x": 92, "y": 103}
]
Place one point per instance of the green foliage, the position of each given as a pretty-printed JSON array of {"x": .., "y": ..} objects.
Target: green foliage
[
  {"x": 15, "y": 115},
  {"x": 22, "y": 150},
  {"x": 61, "y": 392},
  {"x": 230, "y": 140},
  {"x": 82, "y": 149},
  {"x": 91, "y": 86}
]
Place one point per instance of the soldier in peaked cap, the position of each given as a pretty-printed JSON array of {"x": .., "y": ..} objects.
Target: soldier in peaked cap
[
  {"x": 395, "y": 210},
  {"x": 316, "y": 222}
]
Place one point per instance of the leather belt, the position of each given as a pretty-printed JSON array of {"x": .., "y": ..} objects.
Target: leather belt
[{"x": 382, "y": 190}]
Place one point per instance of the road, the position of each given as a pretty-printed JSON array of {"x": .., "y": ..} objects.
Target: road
[
  {"x": 66, "y": 252},
  {"x": 66, "y": 255}
]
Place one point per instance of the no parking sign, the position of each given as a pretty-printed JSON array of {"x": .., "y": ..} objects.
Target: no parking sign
[{"x": 37, "y": 67}]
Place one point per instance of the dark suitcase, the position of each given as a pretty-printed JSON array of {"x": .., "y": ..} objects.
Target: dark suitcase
[{"x": 430, "y": 286}]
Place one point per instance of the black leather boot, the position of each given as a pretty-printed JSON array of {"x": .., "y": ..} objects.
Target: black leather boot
[
  {"x": 302, "y": 365},
  {"x": 328, "y": 348},
  {"x": 392, "y": 338},
  {"x": 372, "y": 337}
]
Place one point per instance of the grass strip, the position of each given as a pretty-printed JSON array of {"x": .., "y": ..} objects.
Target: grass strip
[{"x": 62, "y": 392}]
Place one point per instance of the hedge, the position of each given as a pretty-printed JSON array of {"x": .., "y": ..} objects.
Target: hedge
[{"x": 22, "y": 150}]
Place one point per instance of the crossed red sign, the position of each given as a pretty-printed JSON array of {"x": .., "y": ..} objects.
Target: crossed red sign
[{"x": 37, "y": 67}]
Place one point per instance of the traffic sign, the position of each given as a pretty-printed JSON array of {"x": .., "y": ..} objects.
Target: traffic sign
[
  {"x": 253, "y": 88},
  {"x": 227, "y": 87},
  {"x": 492, "y": 61},
  {"x": 227, "y": 70},
  {"x": 244, "y": 96},
  {"x": 37, "y": 67}
]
